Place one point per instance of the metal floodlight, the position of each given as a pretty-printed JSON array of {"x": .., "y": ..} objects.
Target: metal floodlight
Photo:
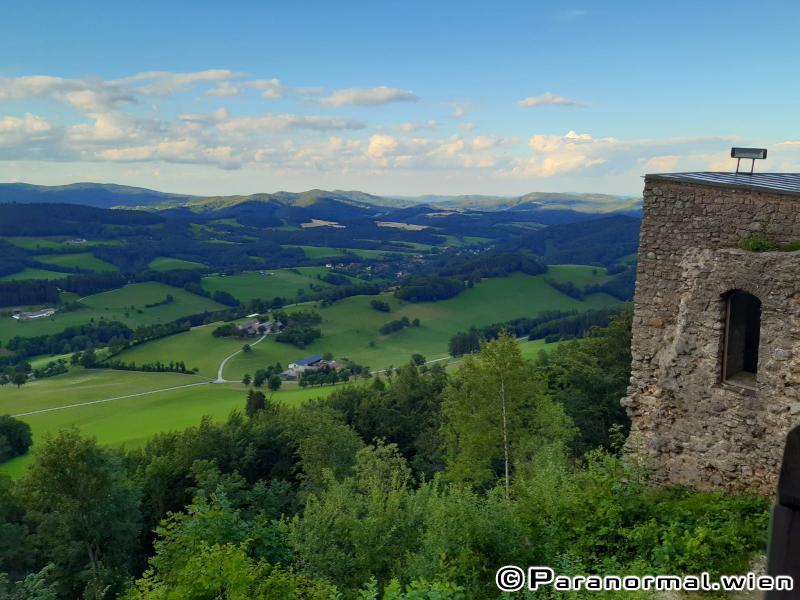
[{"x": 753, "y": 154}]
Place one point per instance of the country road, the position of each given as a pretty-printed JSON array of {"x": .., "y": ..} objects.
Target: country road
[
  {"x": 222, "y": 366},
  {"x": 44, "y": 410}
]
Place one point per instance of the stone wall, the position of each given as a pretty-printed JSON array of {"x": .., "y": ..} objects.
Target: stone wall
[{"x": 696, "y": 431}]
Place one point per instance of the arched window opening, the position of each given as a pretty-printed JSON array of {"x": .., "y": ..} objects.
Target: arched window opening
[{"x": 742, "y": 336}]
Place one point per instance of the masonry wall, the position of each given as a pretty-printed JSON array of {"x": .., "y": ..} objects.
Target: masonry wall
[{"x": 695, "y": 431}]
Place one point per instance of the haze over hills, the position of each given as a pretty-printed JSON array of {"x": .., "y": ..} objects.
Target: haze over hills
[{"x": 351, "y": 204}]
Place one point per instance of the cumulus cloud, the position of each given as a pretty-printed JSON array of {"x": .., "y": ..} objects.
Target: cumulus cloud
[
  {"x": 165, "y": 83},
  {"x": 459, "y": 108},
  {"x": 272, "y": 89},
  {"x": 367, "y": 97},
  {"x": 549, "y": 99},
  {"x": 29, "y": 125},
  {"x": 284, "y": 122},
  {"x": 215, "y": 116},
  {"x": 225, "y": 90},
  {"x": 417, "y": 126},
  {"x": 466, "y": 126}
]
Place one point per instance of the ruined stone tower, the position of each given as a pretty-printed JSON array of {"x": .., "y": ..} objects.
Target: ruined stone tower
[{"x": 715, "y": 383}]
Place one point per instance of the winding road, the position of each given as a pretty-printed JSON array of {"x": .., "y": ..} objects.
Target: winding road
[{"x": 222, "y": 366}]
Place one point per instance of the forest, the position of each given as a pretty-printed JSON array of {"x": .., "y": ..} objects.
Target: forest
[{"x": 407, "y": 486}]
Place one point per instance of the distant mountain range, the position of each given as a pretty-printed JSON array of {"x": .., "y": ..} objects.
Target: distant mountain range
[{"x": 321, "y": 204}]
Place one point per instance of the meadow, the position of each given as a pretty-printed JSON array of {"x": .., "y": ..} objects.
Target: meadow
[
  {"x": 319, "y": 252},
  {"x": 580, "y": 275},
  {"x": 81, "y": 260},
  {"x": 34, "y": 274},
  {"x": 133, "y": 421},
  {"x": 115, "y": 305},
  {"x": 351, "y": 324},
  {"x": 282, "y": 283},
  {"x": 163, "y": 263},
  {"x": 35, "y": 243}
]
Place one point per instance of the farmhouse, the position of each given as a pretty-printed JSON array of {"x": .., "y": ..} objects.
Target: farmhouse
[
  {"x": 311, "y": 363},
  {"x": 253, "y": 327},
  {"x": 76, "y": 241},
  {"x": 39, "y": 314},
  {"x": 715, "y": 384}
]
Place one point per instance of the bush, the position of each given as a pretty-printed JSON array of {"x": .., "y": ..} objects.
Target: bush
[
  {"x": 15, "y": 438},
  {"x": 758, "y": 241}
]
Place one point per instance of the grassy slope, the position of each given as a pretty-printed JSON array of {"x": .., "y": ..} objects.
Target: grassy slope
[
  {"x": 580, "y": 275},
  {"x": 84, "y": 386},
  {"x": 163, "y": 263},
  {"x": 253, "y": 285},
  {"x": 133, "y": 421},
  {"x": 34, "y": 274},
  {"x": 317, "y": 252},
  {"x": 351, "y": 324},
  {"x": 34, "y": 243},
  {"x": 110, "y": 305},
  {"x": 83, "y": 260},
  {"x": 197, "y": 348}
]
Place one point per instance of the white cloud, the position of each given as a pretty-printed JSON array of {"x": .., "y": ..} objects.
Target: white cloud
[
  {"x": 272, "y": 89},
  {"x": 215, "y": 116},
  {"x": 368, "y": 97},
  {"x": 417, "y": 126},
  {"x": 549, "y": 99},
  {"x": 271, "y": 122},
  {"x": 381, "y": 145},
  {"x": 225, "y": 90},
  {"x": 29, "y": 125},
  {"x": 459, "y": 108},
  {"x": 466, "y": 126},
  {"x": 165, "y": 83}
]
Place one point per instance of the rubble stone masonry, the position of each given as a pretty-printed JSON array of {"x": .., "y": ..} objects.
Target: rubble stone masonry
[{"x": 694, "y": 429}]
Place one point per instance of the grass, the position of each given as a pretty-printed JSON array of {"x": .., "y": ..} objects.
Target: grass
[
  {"x": 351, "y": 324},
  {"x": 580, "y": 275},
  {"x": 133, "y": 421},
  {"x": 85, "y": 386},
  {"x": 111, "y": 306},
  {"x": 197, "y": 348},
  {"x": 254, "y": 285},
  {"x": 82, "y": 260},
  {"x": 35, "y": 243},
  {"x": 459, "y": 241},
  {"x": 34, "y": 274},
  {"x": 629, "y": 258},
  {"x": 163, "y": 263},
  {"x": 318, "y": 252}
]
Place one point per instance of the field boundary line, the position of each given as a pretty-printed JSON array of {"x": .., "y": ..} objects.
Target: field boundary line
[{"x": 45, "y": 410}]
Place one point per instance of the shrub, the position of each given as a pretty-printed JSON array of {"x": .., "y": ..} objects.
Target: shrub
[{"x": 15, "y": 437}]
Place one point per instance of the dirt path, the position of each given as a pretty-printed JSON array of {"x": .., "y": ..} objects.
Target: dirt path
[{"x": 222, "y": 366}]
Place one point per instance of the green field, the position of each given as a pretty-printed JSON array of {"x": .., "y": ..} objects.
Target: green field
[
  {"x": 111, "y": 306},
  {"x": 464, "y": 240},
  {"x": 85, "y": 386},
  {"x": 133, "y": 421},
  {"x": 254, "y": 285},
  {"x": 197, "y": 348},
  {"x": 580, "y": 275},
  {"x": 350, "y": 324},
  {"x": 163, "y": 263},
  {"x": 35, "y": 243},
  {"x": 629, "y": 258},
  {"x": 34, "y": 274},
  {"x": 82, "y": 260},
  {"x": 318, "y": 252}
]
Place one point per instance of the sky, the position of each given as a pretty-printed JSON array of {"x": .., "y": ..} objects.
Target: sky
[{"x": 393, "y": 98}]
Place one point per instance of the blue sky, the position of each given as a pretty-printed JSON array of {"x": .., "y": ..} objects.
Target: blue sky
[{"x": 393, "y": 98}]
